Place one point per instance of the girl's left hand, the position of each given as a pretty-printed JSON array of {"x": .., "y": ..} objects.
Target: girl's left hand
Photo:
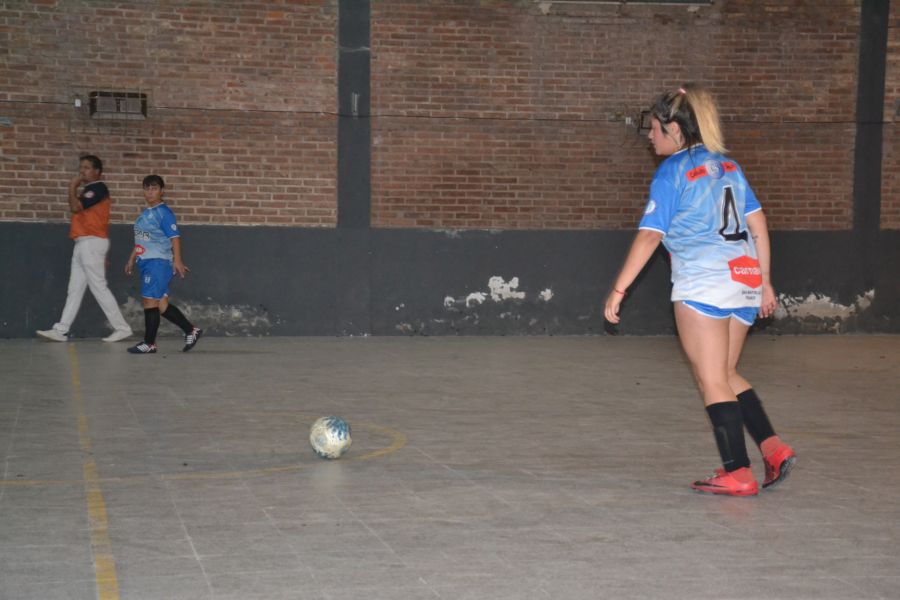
[
  {"x": 611, "y": 310},
  {"x": 181, "y": 269},
  {"x": 769, "y": 302}
]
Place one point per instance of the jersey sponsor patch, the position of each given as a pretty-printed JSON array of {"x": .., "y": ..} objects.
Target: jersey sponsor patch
[
  {"x": 138, "y": 250},
  {"x": 745, "y": 269},
  {"x": 712, "y": 168}
]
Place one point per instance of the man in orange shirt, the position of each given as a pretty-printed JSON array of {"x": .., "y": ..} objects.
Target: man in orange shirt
[{"x": 89, "y": 202}]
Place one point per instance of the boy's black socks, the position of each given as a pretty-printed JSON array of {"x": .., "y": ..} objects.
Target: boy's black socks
[
  {"x": 151, "y": 324},
  {"x": 728, "y": 427},
  {"x": 176, "y": 316},
  {"x": 755, "y": 419}
]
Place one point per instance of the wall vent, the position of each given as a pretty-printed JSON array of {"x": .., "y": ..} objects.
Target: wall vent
[{"x": 118, "y": 105}]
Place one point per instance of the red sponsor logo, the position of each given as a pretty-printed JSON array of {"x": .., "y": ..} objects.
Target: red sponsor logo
[
  {"x": 695, "y": 174},
  {"x": 138, "y": 249},
  {"x": 745, "y": 269}
]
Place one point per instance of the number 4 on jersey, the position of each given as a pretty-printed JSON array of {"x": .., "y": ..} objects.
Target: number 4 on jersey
[{"x": 729, "y": 213}]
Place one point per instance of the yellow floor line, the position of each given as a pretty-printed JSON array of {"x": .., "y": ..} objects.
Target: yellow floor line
[{"x": 104, "y": 563}]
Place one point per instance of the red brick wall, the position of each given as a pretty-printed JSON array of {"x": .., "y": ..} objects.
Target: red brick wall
[
  {"x": 222, "y": 168},
  {"x": 488, "y": 114},
  {"x": 503, "y": 174},
  {"x": 242, "y": 96},
  {"x": 890, "y": 172},
  {"x": 492, "y": 114}
]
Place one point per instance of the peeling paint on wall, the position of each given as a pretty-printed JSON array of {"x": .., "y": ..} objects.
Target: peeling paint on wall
[
  {"x": 502, "y": 290},
  {"x": 819, "y": 313},
  {"x": 499, "y": 290},
  {"x": 501, "y": 308},
  {"x": 475, "y": 298},
  {"x": 821, "y": 306},
  {"x": 229, "y": 320}
]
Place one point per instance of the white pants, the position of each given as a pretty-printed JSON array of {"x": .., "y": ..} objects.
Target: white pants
[{"x": 89, "y": 270}]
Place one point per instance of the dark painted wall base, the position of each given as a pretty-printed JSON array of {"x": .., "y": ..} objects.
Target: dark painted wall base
[{"x": 281, "y": 281}]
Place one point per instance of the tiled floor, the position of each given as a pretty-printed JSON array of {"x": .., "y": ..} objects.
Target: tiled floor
[{"x": 483, "y": 468}]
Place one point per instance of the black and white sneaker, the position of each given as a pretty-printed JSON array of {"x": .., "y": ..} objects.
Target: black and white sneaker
[
  {"x": 190, "y": 339},
  {"x": 143, "y": 348}
]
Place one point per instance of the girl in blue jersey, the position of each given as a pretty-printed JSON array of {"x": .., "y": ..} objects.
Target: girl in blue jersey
[
  {"x": 157, "y": 253},
  {"x": 706, "y": 215}
]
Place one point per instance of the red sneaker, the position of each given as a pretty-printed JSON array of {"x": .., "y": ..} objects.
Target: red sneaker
[
  {"x": 728, "y": 484},
  {"x": 779, "y": 465}
]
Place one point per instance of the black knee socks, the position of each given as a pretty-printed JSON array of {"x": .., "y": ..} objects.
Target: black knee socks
[
  {"x": 755, "y": 419},
  {"x": 728, "y": 427},
  {"x": 177, "y": 317},
  {"x": 151, "y": 324}
]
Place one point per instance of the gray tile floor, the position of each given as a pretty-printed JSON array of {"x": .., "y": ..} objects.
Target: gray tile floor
[{"x": 483, "y": 468}]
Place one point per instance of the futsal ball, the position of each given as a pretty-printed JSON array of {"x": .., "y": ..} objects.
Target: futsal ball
[{"x": 330, "y": 437}]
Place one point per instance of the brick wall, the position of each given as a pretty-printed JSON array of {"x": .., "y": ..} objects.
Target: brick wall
[
  {"x": 511, "y": 115},
  {"x": 241, "y": 119},
  {"x": 504, "y": 174},
  {"x": 224, "y": 167},
  {"x": 487, "y": 114}
]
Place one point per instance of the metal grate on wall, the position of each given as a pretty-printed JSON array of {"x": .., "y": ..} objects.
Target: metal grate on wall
[
  {"x": 118, "y": 105},
  {"x": 98, "y": 110}
]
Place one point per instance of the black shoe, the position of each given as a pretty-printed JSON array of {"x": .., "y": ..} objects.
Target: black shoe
[
  {"x": 190, "y": 339},
  {"x": 143, "y": 348}
]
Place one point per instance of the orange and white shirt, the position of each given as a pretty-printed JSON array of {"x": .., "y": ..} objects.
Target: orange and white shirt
[{"x": 94, "y": 219}]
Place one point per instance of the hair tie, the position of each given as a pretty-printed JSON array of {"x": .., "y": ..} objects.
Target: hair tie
[{"x": 682, "y": 91}]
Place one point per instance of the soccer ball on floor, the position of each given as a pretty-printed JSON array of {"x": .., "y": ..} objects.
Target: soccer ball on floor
[{"x": 330, "y": 437}]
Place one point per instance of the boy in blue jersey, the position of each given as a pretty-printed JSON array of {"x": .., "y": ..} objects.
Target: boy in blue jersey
[
  {"x": 704, "y": 212},
  {"x": 157, "y": 253}
]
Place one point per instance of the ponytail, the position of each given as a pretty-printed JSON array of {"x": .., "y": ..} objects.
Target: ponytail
[{"x": 694, "y": 109}]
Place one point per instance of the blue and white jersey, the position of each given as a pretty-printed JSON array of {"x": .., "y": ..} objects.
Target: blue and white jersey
[
  {"x": 153, "y": 231},
  {"x": 699, "y": 201}
]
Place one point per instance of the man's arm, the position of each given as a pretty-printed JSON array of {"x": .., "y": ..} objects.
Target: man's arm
[{"x": 74, "y": 201}]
